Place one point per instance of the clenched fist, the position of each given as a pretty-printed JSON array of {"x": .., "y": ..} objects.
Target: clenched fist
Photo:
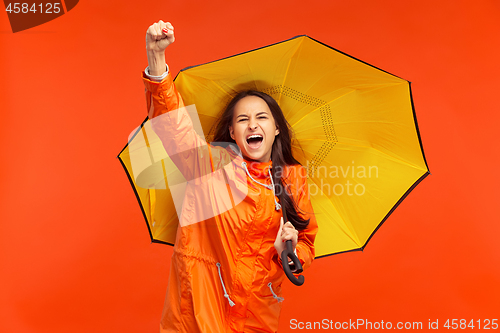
[{"x": 158, "y": 36}]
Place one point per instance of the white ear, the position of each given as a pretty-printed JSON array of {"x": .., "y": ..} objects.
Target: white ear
[
  {"x": 277, "y": 131},
  {"x": 231, "y": 132}
]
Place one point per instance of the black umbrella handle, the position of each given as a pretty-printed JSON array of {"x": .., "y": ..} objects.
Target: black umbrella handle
[{"x": 288, "y": 253}]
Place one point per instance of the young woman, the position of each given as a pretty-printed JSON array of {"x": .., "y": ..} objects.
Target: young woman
[{"x": 226, "y": 272}]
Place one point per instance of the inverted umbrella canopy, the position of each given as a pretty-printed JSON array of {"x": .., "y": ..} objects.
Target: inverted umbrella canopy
[{"x": 355, "y": 130}]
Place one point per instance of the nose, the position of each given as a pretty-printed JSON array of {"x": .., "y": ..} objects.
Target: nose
[{"x": 252, "y": 125}]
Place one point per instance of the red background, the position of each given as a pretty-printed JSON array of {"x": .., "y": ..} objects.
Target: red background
[{"x": 75, "y": 252}]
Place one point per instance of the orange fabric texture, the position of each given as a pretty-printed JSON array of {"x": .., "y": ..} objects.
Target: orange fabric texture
[{"x": 225, "y": 275}]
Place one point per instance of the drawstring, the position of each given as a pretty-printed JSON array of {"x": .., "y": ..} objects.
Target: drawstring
[
  {"x": 231, "y": 303},
  {"x": 271, "y": 187},
  {"x": 279, "y": 299},
  {"x": 244, "y": 164},
  {"x": 278, "y": 206}
]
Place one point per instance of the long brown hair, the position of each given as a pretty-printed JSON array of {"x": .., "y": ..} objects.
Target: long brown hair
[{"x": 281, "y": 153}]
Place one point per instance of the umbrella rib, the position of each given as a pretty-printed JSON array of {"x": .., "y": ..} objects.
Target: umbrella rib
[
  {"x": 211, "y": 81},
  {"x": 395, "y": 158},
  {"x": 351, "y": 234},
  {"x": 322, "y": 105},
  {"x": 353, "y": 89},
  {"x": 287, "y": 70},
  {"x": 218, "y": 86},
  {"x": 284, "y": 79},
  {"x": 347, "y": 122},
  {"x": 391, "y": 157},
  {"x": 400, "y": 160}
]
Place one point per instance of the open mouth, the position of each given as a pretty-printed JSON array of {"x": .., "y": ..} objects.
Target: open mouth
[{"x": 255, "y": 141}]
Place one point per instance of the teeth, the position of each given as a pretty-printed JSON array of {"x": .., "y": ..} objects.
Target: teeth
[{"x": 254, "y": 136}]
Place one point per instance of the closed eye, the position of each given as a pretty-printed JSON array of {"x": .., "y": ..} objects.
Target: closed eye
[{"x": 244, "y": 119}]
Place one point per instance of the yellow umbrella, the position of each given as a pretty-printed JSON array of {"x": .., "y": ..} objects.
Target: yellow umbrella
[{"x": 355, "y": 133}]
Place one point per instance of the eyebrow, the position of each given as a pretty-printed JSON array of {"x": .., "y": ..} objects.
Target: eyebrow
[{"x": 258, "y": 114}]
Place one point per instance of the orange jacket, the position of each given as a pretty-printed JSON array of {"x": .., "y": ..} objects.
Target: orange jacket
[{"x": 225, "y": 274}]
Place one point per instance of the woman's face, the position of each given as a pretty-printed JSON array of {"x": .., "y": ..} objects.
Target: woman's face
[{"x": 253, "y": 128}]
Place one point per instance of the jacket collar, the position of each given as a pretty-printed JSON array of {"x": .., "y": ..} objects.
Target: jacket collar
[{"x": 259, "y": 169}]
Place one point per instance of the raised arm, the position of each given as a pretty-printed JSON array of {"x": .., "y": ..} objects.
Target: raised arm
[
  {"x": 169, "y": 118},
  {"x": 158, "y": 36}
]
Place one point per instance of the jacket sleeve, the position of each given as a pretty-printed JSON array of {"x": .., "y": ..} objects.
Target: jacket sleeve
[
  {"x": 305, "y": 245},
  {"x": 172, "y": 123}
]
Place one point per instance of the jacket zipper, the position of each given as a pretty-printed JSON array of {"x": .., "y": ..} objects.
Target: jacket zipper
[
  {"x": 279, "y": 299},
  {"x": 231, "y": 303}
]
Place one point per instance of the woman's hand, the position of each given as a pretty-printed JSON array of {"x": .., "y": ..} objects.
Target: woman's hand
[
  {"x": 286, "y": 232},
  {"x": 158, "y": 36}
]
